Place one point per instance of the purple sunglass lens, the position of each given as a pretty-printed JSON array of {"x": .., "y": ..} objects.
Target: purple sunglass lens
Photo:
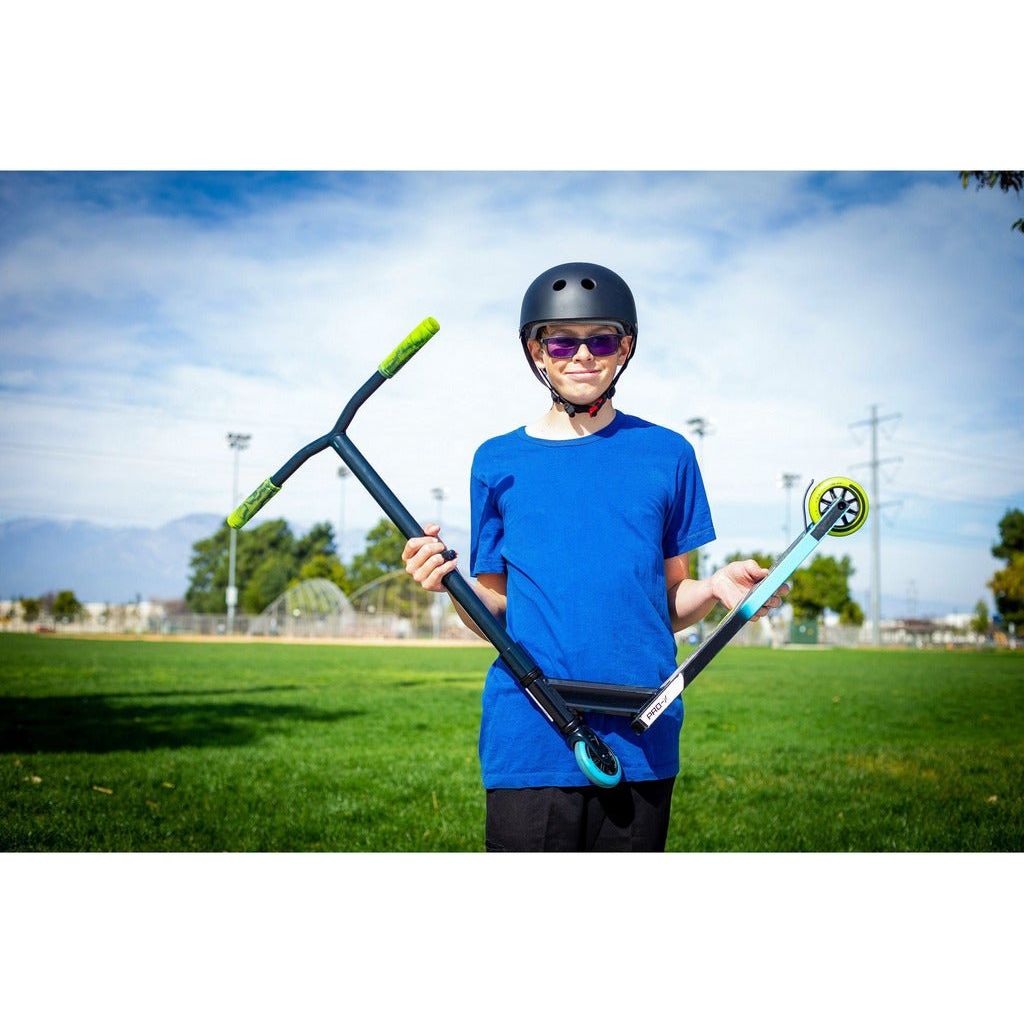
[{"x": 566, "y": 348}]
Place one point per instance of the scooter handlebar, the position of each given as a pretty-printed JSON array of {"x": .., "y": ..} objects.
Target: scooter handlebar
[
  {"x": 407, "y": 348},
  {"x": 403, "y": 352},
  {"x": 252, "y": 504}
]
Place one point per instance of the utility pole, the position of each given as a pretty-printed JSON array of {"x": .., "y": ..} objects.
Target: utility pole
[
  {"x": 786, "y": 480},
  {"x": 238, "y": 443},
  {"x": 343, "y": 472},
  {"x": 876, "y": 520}
]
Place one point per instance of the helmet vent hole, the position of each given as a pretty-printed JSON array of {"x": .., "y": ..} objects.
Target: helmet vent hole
[
  {"x": 558, "y": 286},
  {"x": 588, "y": 284}
]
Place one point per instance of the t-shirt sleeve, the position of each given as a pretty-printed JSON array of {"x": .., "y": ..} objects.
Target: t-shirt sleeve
[
  {"x": 487, "y": 530},
  {"x": 688, "y": 524}
]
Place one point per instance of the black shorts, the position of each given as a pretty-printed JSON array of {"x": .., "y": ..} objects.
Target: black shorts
[{"x": 630, "y": 817}]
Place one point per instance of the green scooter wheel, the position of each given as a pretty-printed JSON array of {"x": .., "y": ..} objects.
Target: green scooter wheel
[{"x": 851, "y": 492}]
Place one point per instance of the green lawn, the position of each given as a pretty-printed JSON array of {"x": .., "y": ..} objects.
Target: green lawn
[{"x": 190, "y": 746}]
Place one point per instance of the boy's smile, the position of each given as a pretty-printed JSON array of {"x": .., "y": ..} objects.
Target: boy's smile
[{"x": 583, "y": 377}]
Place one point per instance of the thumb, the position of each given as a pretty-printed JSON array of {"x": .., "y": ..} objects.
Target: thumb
[
  {"x": 758, "y": 571},
  {"x": 431, "y": 530}
]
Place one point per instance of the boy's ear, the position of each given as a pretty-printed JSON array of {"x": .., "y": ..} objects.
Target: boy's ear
[
  {"x": 534, "y": 347},
  {"x": 625, "y": 347}
]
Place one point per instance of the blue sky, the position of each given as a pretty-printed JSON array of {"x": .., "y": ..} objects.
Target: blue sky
[{"x": 142, "y": 316}]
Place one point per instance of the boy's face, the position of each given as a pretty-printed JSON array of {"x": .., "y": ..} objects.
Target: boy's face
[{"x": 583, "y": 377}]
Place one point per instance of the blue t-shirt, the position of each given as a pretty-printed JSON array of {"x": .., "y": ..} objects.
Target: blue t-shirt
[{"x": 582, "y": 528}]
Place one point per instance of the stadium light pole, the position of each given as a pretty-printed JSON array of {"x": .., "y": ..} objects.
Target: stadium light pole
[
  {"x": 343, "y": 472},
  {"x": 437, "y": 609},
  {"x": 238, "y": 443},
  {"x": 439, "y": 494},
  {"x": 787, "y": 480},
  {"x": 701, "y": 426}
]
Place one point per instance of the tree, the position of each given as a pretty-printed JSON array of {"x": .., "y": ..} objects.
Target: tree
[
  {"x": 66, "y": 606},
  {"x": 272, "y": 541},
  {"x": 30, "y": 608},
  {"x": 383, "y": 554},
  {"x": 318, "y": 541},
  {"x": 209, "y": 579},
  {"x": 822, "y": 584},
  {"x": 851, "y": 614},
  {"x": 1006, "y": 180},
  {"x": 980, "y": 623},
  {"x": 267, "y": 581},
  {"x": 1008, "y": 588},
  {"x": 1007, "y": 585},
  {"x": 1011, "y": 534},
  {"x": 324, "y": 566},
  {"x": 698, "y": 562}
]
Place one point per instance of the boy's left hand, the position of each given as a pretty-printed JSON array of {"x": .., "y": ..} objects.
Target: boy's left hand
[{"x": 731, "y": 583}]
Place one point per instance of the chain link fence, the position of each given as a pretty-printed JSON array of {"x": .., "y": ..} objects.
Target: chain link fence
[{"x": 389, "y": 613}]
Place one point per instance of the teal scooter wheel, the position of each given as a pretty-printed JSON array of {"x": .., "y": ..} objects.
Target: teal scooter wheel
[{"x": 598, "y": 763}]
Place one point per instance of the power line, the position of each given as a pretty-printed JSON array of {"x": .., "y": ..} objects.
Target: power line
[
  {"x": 956, "y": 499},
  {"x": 97, "y": 516},
  {"x": 924, "y": 533},
  {"x": 109, "y": 405},
  {"x": 78, "y": 453},
  {"x": 933, "y": 452}
]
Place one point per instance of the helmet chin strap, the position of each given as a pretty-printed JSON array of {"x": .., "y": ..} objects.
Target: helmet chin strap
[{"x": 571, "y": 408}]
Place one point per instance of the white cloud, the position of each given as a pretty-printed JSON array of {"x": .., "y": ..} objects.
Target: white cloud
[{"x": 764, "y": 304}]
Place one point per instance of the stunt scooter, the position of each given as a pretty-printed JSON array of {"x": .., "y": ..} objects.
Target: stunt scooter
[
  {"x": 837, "y": 506},
  {"x": 595, "y": 758}
]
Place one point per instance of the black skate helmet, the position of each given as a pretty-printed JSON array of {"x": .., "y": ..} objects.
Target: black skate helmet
[{"x": 577, "y": 293}]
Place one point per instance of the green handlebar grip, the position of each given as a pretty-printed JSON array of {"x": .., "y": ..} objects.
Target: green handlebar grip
[
  {"x": 406, "y": 349},
  {"x": 252, "y": 504}
]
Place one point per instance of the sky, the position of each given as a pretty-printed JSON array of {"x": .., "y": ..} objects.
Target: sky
[{"x": 145, "y": 315}]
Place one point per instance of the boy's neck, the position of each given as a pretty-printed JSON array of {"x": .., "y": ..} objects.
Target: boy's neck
[{"x": 556, "y": 425}]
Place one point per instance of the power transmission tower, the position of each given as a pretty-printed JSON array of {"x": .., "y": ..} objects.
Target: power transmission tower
[
  {"x": 876, "y": 518},
  {"x": 238, "y": 443}
]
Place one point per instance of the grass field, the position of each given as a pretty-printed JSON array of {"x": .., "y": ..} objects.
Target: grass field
[{"x": 193, "y": 746}]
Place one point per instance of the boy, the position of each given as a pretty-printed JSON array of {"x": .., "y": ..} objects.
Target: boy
[{"x": 581, "y": 526}]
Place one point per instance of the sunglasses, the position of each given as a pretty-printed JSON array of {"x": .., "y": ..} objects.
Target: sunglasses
[{"x": 598, "y": 345}]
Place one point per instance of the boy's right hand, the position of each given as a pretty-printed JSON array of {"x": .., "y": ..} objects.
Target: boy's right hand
[{"x": 423, "y": 561}]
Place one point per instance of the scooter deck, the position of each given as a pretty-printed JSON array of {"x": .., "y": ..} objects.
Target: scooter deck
[{"x": 606, "y": 698}]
